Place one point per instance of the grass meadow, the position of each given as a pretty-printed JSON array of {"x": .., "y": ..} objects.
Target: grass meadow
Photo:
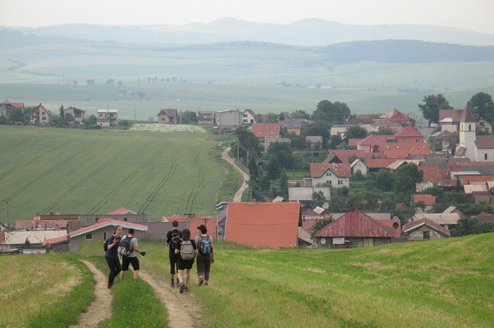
[
  {"x": 441, "y": 283},
  {"x": 43, "y": 290},
  {"x": 77, "y": 171}
]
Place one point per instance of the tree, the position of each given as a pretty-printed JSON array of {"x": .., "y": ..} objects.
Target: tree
[
  {"x": 253, "y": 169},
  {"x": 327, "y": 111},
  {"x": 110, "y": 81},
  {"x": 75, "y": 82},
  {"x": 300, "y": 114},
  {"x": 406, "y": 176},
  {"x": 482, "y": 106},
  {"x": 248, "y": 143},
  {"x": 430, "y": 110},
  {"x": 141, "y": 94},
  {"x": 318, "y": 199},
  {"x": 320, "y": 224},
  {"x": 355, "y": 132},
  {"x": 284, "y": 185},
  {"x": 68, "y": 117},
  {"x": 126, "y": 124},
  {"x": 120, "y": 84},
  {"x": 174, "y": 78},
  {"x": 61, "y": 110},
  {"x": 283, "y": 153},
  {"x": 89, "y": 82},
  {"x": 16, "y": 115},
  {"x": 318, "y": 129},
  {"x": 273, "y": 169}
]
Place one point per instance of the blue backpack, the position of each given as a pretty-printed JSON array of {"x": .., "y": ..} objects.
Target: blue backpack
[{"x": 205, "y": 248}]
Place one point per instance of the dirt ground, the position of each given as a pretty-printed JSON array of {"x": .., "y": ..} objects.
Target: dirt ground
[{"x": 100, "y": 308}]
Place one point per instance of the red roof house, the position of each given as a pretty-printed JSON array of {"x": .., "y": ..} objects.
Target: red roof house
[
  {"x": 409, "y": 135},
  {"x": 355, "y": 229},
  {"x": 121, "y": 211},
  {"x": 263, "y": 224},
  {"x": 428, "y": 200},
  {"x": 262, "y": 130},
  {"x": 399, "y": 117}
]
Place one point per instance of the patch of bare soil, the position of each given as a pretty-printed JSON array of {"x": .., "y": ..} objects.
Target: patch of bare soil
[
  {"x": 100, "y": 308},
  {"x": 183, "y": 309}
]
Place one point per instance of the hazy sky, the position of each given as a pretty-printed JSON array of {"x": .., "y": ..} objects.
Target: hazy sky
[{"x": 470, "y": 14}]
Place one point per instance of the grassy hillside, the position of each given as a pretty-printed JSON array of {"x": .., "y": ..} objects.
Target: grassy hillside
[
  {"x": 443, "y": 283},
  {"x": 95, "y": 172}
]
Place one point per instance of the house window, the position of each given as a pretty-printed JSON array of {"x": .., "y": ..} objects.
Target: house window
[
  {"x": 328, "y": 174},
  {"x": 89, "y": 236},
  {"x": 340, "y": 182},
  {"x": 417, "y": 140},
  {"x": 104, "y": 235},
  {"x": 485, "y": 156},
  {"x": 427, "y": 235}
]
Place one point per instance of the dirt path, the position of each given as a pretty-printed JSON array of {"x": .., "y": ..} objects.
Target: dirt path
[
  {"x": 183, "y": 310},
  {"x": 244, "y": 186},
  {"x": 100, "y": 308}
]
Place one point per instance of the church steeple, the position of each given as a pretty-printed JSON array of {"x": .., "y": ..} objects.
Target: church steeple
[{"x": 467, "y": 116}]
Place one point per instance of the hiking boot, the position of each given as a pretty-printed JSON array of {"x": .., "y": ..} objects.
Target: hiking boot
[
  {"x": 186, "y": 289},
  {"x": 201, "y": 281},
  {"x": 182, "y": 288},
  {"x": 109, "y": 286},
  {"x": 172, "y": 284},
  {"x": 206, "y": 284},
  {"x": 178, "y": 283}
]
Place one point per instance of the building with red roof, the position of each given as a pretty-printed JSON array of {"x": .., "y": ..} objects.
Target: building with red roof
[
  {"x": 193, "y": 221},
  {"x": 399, "y": 117},
  {"x": 98, "y": 231},
  {"x": 428, "y": 200},
  {"x": 354, "y": 229},
  {"x": 7, "y": 106},
  {"x": 378, "y": 164},
  {"x": 263, "y": 224},
  {"x": 121, "y": 211},
  {"x": 262, "y": 130},
  {"x": 409, "y": 135},
  {"x": 335, "y": 174}
]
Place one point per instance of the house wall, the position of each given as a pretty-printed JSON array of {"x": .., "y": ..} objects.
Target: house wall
[
  {"x": 205, "y": 118},
  {"x": 59, "y": 248},
  {"x": 5, "y": 109},
  {"x": 484, "y": 155},
  {"x": 78, "y": 115},
  {"x": 40, "y": 115},
  {"x": 359, "y": 166},
  {"x": 164, "y": 119},
  {"x": 332, "y": 179},
  {"x": 104, "y": 115},
  {"x": 354, "y": 242},
  {"x": 229, "y": 119},
  {"x": 247, "y": 119},
  {"x": 76, "y": 242},
  {"x": 419, "y": 234},
  {"x": 87, "y": 220}
]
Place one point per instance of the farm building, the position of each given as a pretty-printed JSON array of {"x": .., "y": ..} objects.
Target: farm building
[
  {"x": 228, "y": 119},
  {"x": 354, "y": 229},
  {"x": 99, "y": 231},
  {"x": 263, "y": 224}
]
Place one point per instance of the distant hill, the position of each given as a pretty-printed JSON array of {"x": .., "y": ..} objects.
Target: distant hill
[
  {"x": 16, "y": 39},
  {"x": 308, "y": 32}
]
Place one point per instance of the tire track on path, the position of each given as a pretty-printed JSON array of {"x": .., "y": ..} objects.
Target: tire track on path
[
  {"x": 100, "y": 308},
  {"x": 126, "y": 180},
  {"x": 195, "y": 190},
  {"x": 183, "y": 310}
]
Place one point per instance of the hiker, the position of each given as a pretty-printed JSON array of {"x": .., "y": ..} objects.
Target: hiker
[
  {"x": 111, "y": 255},
  {"x": 205, "y": 256},
  {"x": 132, "y": 257},
  {"x": 186, "y": 250},
  {"x": 172, "y": 239}
]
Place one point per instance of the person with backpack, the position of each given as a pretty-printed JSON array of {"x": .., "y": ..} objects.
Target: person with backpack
[
  {"x": 172, "y": 239},
  {"x": 111, "y": 255},
  {"x": 127, "y": 248},
  {"x": 186, "y": 250},
  {"x": 205, "y": 255}
]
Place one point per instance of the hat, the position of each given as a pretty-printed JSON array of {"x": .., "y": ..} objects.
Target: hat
[{"x": 201, "y": 226}]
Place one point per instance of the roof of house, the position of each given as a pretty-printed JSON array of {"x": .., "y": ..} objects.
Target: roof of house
[
  {"x": 251, "y": 112},
  {"x": 313, "y": 139},
  {"x": 266, "y": 129},
  {"x": 399, "y": 117},
  {"x": 409, "y": 132},
  {"x": 431, "y": 173},
  {"x": 15, "y": 105},
  {"x": 355, "y": 162},
  {"x": 409, "y": 227},
  {"x": 376, "y": 139},
  {"x": 263, "y": 224},
  {"x": 46, "y": 224},
  {"x": 356, "y": 224},
  {"x": 294, "y": 123},
  {"x": 439, "y": 218},
  {"x": 342, "y": 170},
  {"x": 467, "y": 116},
  {"x": 484, "y": 141},
  {"x": 427, "y": 199},
  {"x": 375, "y": 216},
  {"x": 307, "y": 224},
  {"x": 43, "y": 108},
  {"x": 343, "y": 154},
  {"x": 107, "y": 110},
  {"x": 472, "y": 179},
  {"x": 455, "y": 114},
  {"x": 210, "y": 221},
  {"x": 75, "y": 109},
  {"x": 397, "y": 164},
  {"x": 121, "y": 211},
  {"x": 379, "y": 163},
  {"x": 305, "y": 193},
  {"x": 470, "y": 188},
  {"x": 171, "y": 112},
  {"x": 160, "y": 229},
  {"x": 484, "y": 217},
  {"x": 483, "y": 169},
  {"x": 34, "y": 236},
  {"x": 396, "y": 226},
  {"x": 304, "y": 235},
  {"x": 451, "y": 209}
]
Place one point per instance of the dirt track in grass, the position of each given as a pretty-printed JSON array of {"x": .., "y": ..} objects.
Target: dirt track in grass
[{"x": 244, "y": 186}]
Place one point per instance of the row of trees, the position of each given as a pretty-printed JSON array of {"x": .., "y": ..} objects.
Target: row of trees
[{"x": 481, "y": 104}]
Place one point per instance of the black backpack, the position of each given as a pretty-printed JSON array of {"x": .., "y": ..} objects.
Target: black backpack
[
  {"x": 124, "y": 246},
  {"x": 176, "y": 235},
  {"x": 105, "y": 245}
]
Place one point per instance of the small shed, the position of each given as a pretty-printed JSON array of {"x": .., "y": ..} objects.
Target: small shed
[{"x": 425, "y": 229}]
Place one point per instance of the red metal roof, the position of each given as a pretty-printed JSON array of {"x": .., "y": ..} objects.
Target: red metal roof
[
  {"x": 15, "y": 105},
  {"x": 262, "y": 130},
  {"x": 342, "y": 170},
  {"x": 263, "y": 224},
  {"x": 195, "y": 221},
  {"x": 356, "y": 224},
  {"x": 392, "y": 224}
]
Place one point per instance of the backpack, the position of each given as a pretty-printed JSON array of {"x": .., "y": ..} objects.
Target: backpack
[
  {"x": 205, "y": 248},
  {"x": 176, "y": 235},
  {"x": 187, "y": 250},
  {"x": 124, "y": 247},
  {"x": 105, "y": 245}
]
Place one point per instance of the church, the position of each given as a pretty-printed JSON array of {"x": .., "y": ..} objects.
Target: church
[{"x": 478, "y": 148}]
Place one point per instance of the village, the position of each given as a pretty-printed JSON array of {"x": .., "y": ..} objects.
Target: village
[{"x": 389, "y": 142}]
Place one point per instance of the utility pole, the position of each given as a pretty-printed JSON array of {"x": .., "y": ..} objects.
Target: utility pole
[
  {"x": 150, "y": 201},
  {"x": 6, "y": 200},
  {"x": 205, "y": 221}
]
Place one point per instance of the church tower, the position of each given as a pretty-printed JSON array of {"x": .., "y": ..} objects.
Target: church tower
[{"x": 467, "y": 135}]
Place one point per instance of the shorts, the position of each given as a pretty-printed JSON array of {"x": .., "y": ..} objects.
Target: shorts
[
  {"x": 130, "y": 260},
  {"x": 182, "y": 264}
]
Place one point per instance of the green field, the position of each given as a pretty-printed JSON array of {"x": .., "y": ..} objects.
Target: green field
[
  {"x": 76, "y": 171},
  {"x": 441, "y": 283},
  {"x": 220, "y": 79}
]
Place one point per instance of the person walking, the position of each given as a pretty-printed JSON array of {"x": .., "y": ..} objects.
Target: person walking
[
  {"x": 172, "y": 239},
  {"x": 111, "y": 255},
  {"x": 186, "y": 251},
  {"x": 205, "y": 255},
  {"x": 132, "y": 257}
]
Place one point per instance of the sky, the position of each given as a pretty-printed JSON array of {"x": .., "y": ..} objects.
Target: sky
[{"x": 476, "y": 15}]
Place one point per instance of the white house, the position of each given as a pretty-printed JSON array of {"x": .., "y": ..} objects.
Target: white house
[
  {"x": 336, "y": 175},
  {"x": 358, "y": 165},
  {"x": 107, "y": 117}
]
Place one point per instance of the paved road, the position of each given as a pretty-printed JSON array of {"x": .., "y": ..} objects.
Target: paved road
[{"x": 244, "y": 186}]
